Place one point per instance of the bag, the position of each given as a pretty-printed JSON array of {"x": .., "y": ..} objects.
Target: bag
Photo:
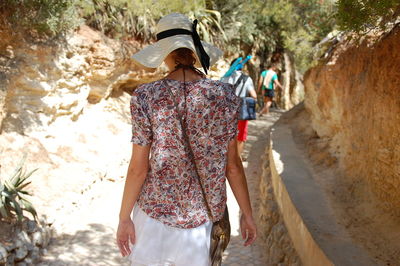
[
  {"x": 221, "y": 230},
  {"x": 248, "y": 109},
  {"x": 248, "y": 105},
  {"x": 220, "y": 236}
]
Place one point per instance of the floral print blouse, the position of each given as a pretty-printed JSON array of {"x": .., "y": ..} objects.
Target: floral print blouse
[{"x": 171, "y": 192}]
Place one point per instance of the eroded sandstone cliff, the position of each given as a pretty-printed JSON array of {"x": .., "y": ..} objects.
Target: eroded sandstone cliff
[
  {"x": 53, "y": 80},
  {"x": 354, "y": 102}
]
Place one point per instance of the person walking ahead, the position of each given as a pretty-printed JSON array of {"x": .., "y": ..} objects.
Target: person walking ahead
[
  {"x": 266, "y": 85},
  {"x": 167, "y": 176},
  {"x": 244, "y": 86}
]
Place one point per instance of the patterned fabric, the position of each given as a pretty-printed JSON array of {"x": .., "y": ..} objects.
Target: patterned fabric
[{"x": 171, "y": 192}]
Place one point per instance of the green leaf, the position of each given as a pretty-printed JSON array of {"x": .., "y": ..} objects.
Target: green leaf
[
  {"x": 19, "y": 167},
  {"x": 29, "y": 207},
  {"x": 24, "y": 192},
  {"x": 3, "y": 210},
  {"x": 17, "y": 208},
  {"x": 6, "y": 193}
]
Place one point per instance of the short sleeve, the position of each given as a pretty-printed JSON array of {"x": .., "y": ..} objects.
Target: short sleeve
[
  {"x": 249, "y": 85},
  {"x": 274, "y": 77},
  {"x": 141, "y": 124}
]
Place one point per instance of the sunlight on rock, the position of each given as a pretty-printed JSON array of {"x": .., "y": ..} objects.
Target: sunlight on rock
[{"x": 278, "y": 163}]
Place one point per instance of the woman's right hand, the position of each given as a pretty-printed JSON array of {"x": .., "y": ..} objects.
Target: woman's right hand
[
  {"x": 248, "y": 229},
  {"x": 125, "y": 234}
]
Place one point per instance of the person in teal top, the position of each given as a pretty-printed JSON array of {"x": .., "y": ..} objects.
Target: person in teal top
[
  {"x": 267, "y": 83},
  {"x": 270, "y": 85}
]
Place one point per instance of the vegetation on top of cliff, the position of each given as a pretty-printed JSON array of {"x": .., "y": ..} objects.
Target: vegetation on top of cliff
[
  {"x": 39, "y": 17},
  {"x": 301, "y": 25},
  {"x": 295, "y": 26},
  {"x": 277, "y": 25},
  {"x": 362, "y": 16}
]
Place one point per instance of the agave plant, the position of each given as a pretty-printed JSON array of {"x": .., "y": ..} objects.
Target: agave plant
[{"x": 12, "y": 194}]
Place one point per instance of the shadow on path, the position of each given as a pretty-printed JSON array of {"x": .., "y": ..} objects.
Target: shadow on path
[{"x": 98, "y": 249}]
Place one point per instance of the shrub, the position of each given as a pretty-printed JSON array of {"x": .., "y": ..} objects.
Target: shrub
[
  {"x": 237, "y": 25},
  {"x": 124, "y": 18},
  {"x": 13, "y": 202},
  {"x": 363, "y": 15},
  {"x": 46, "y": 17}
]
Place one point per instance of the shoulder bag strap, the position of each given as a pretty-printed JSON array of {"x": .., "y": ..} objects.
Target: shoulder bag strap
[
  {"x": 191, "y": 154},
  {"x": 242, "y": 76},
  {"x": 244, "y": 83},
  {"x": 237, "y": 84},
  {"x": 238, "y": 81}
]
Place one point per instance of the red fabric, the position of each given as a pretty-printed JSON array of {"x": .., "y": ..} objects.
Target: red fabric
[{"x": 242, "y": 126}]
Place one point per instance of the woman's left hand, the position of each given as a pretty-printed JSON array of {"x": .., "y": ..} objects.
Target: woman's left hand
[{"x": 125, "y": 234}]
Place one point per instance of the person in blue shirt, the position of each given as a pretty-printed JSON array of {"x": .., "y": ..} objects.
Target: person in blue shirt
[{"x": 267, "y": 83}]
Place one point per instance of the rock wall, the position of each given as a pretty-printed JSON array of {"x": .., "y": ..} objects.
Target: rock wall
[
  {"x": 54, "y": 79},
  {"x": 24, "y": 243},
  {"x": 354, "y": 101},
  {"x": 272, "y": 230}
]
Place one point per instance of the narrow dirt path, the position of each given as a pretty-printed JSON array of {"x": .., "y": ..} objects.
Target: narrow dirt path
[
  {"x": 85, "y": 233},
  {"x": 258, "y": 138}
]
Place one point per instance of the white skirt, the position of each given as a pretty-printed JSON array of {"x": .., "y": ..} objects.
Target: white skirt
[{"x": 158, "y": 244}]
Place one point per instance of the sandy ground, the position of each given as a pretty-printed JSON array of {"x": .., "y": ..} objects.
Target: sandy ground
[{"x": 85, "y": 230}]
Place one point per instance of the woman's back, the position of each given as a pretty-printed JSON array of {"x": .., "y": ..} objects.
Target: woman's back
[
  {"x": 171, "y": 192},
  {"x": 162, "y": 184}
]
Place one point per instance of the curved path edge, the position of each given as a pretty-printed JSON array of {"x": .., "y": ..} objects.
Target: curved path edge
[{"x": 316, "y": 235}]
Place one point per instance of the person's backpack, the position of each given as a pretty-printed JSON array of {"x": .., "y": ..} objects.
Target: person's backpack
[{"x": 248, "y": 105}]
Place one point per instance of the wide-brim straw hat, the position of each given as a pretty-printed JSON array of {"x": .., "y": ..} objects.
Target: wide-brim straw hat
[{"x": 169, "y": 39}]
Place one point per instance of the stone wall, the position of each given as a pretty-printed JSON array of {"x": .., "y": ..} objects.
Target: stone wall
[
  {"x": 272, "y": 230},
  {"x": 23, "y": 244},
  {"x": 354, "y": 101}
]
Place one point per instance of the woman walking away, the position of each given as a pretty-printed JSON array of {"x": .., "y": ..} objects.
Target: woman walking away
[{"x": 184, "y": 149}]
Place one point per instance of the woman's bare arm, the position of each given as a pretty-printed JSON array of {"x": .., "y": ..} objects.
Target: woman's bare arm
[
  {"x": 253, "y": 94},
  {"x": 277, "y": 83},
  {"x": 137, "y": 172},
  {"x": 237, "y": 180}
]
